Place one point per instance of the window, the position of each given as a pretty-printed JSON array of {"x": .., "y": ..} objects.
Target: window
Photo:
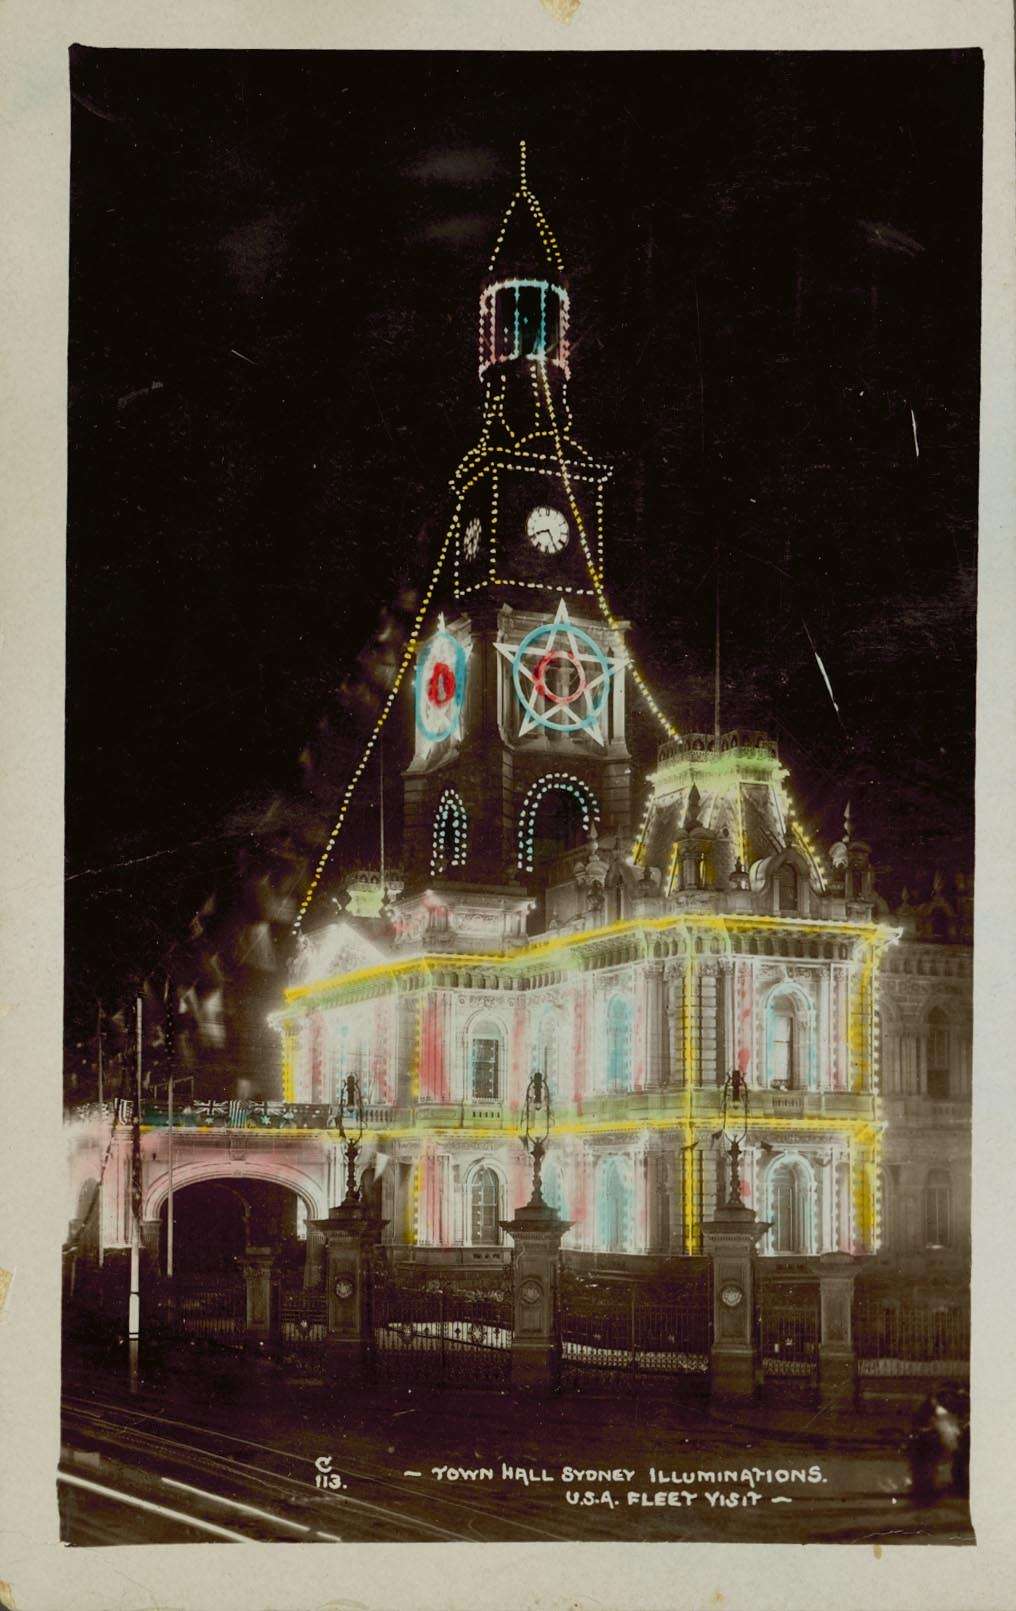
[
  {"x": 781, "y": 1046},
  {"x": 619, "y": 1017},
  {"x": 485, "y": 1064},
  {"x": 938, "y": 1055},
  {"x": 937, "y": 1209},
  {"x": 529, "y": 300},
  {"x": 485, "y": 1208},
  {"x": 787, "y": 888},
  {"x": 612, "y": 1209},
  {"x": 789, "y": 1210}
]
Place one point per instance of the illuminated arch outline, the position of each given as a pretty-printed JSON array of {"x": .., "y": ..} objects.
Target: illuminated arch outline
[
  {"x": 568, "y": 783},
  {"x": 442, "y": 663},
  {"x": 451, "y": 811}
]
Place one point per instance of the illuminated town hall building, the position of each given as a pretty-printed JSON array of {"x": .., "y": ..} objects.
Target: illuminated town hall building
[
  {"x": 636, "y": 964},
  {"x": 637, "y": 959}
]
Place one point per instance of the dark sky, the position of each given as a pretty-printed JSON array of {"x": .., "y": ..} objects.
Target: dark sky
[{"x": 275, "y": 263}]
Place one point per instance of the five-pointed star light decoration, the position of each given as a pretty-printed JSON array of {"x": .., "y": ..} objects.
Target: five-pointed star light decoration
[{"x": 561, "y": 676}]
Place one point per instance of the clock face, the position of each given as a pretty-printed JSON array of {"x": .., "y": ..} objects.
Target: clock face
[
  {"x": 731, "y": 1295},
  {"x": 547, "y": 530},
  {"x": 471, "y": 538}
]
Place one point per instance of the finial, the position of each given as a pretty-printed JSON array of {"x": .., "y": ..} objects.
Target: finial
[
  {"x": 846, "y": 823},
  {"x": 522, "y": 166}
]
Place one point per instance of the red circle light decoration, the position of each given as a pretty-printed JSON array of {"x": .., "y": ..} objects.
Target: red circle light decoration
[
  {"x": 441, "y": 684},
  {"x": 540, "y": 677}
]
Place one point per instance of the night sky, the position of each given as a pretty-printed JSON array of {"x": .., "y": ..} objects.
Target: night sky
[{"x": 275, "y": 264}]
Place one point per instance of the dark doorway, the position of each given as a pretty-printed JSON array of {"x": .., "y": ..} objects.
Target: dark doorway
[{"x": 214, "y": 1220}]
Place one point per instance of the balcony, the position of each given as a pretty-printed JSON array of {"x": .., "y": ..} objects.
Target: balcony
[
  {"x": 459, "y": 1115},
  {"x": 916, "y": 1109}
]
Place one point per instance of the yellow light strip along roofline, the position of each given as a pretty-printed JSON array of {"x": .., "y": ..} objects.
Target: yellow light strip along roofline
[
  {"x": 718, "y": 922},
  {"x": 863, "y": 1129}
]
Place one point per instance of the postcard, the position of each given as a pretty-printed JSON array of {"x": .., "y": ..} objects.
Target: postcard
[{"x": 524, "y": 619}]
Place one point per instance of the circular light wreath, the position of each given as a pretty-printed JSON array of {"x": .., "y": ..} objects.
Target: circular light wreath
[
  {"x": 561, "y": 704},
  {"x": 440, "y": 686}
]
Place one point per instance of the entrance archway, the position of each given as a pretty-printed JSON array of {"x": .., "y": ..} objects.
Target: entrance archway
[{"x": 215, "y": 1219}]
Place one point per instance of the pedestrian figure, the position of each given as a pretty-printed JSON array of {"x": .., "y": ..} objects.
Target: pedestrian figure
[{"x": 933, "y": 1441}]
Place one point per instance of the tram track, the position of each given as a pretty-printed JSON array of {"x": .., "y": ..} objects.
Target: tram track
[{"x": 449, "y": 1519}]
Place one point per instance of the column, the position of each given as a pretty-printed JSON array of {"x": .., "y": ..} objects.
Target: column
[
  {"x": 350, "y": 1234},
  {"x": 675, "y": 1026},
  {"x": 536, "y": 1231},
  {"x": 258, "y": 1267},
  {"x": 656, "y": 1025},
  {"x": 836, "y": 1273},
  {"x": 729, "y": 1239},
  {"x": 708, "y": 1026}
]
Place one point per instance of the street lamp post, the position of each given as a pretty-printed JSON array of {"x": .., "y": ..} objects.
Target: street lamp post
[
  {"x": 735, "y": 1102},
  {"x": 536, "y": 1230},
  {"x": 729, "y": 1241},
  {"x": 351, "y": 1102},
  {"x": 536, "y": 1122}
]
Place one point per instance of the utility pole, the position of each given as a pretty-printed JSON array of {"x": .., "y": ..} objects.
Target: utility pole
[
  {"x": 169, "y": 1037},
  {"x": 134, "y": 1302},
  {"x": 169, "y": 1195},
  {"x": 102, "y": 1135}
]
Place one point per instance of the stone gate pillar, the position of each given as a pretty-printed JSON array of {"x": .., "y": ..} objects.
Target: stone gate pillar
[
  {"x": 258, "y": 1267},
  {"x": 836, "y": 1360},
  {"x": 729, "y": 1239},
  {"x": 349, "y": 1234},
  {"x": 536, "y": 1231}
]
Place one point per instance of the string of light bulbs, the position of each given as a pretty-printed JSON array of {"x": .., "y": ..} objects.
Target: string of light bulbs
[
  {"x": 408, "y": 652},
  {"x": 594, "y": 575}
]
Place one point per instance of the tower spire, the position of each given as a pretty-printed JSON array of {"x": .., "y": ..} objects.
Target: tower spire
[{"x": 523, "y": 187}]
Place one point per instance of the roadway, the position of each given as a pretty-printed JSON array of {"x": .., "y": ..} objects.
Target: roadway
[{"x": 228, "y": 1450}]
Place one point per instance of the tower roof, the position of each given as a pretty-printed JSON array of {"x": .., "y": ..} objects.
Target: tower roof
[{"x": 525, "y": 245}]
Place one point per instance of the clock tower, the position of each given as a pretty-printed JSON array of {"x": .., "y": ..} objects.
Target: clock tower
[{"x": 519, "y": 686}]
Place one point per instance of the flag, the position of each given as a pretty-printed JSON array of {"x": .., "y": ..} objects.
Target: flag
[{"x": 238, "y": 1114}]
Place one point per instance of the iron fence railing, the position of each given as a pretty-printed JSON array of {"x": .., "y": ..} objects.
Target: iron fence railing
[
  {"x": 444, "y": 1336},
  {"x": 614, "y": 1333},
  {"x": 907, "y": 1339}
]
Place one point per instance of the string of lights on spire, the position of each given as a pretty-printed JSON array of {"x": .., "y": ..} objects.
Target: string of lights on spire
[
  {"x": 538, "y": 369},
  {"x": 412, "y": 643},
  {"x": 587, "y": 553}
]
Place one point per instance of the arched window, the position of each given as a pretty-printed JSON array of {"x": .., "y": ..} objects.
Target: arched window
[
  {"x": 789, "y": 1209},
  {"x": 937, "y": 1209},
  {"x": 938, "y": 1054},
  {"x": 484, "y": 1208},
  {"x": 485, "y": 1063},
  {"x": 787, "y": 888},
  {"x": 612, "y": 1208},
  {"x": 568, "y": 815},
  {"x": 448, "y": 846},
  {"x": 619, "y": 1021},
  {"x": 781, "y": 1045}
]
